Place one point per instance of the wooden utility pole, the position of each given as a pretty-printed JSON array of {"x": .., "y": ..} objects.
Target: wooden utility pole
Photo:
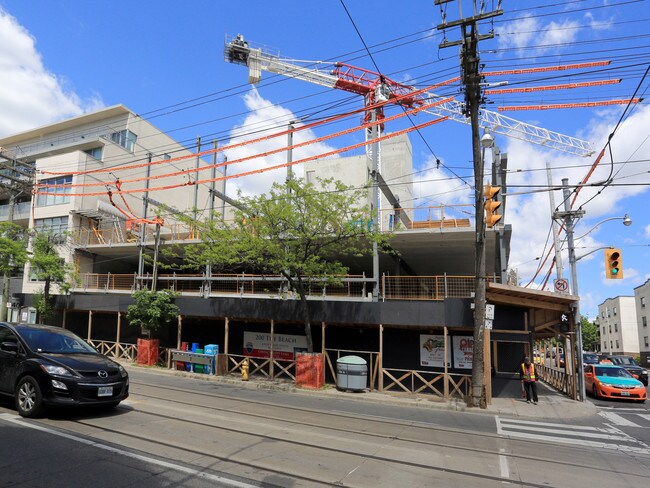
[{"x": 471, "y": 79}]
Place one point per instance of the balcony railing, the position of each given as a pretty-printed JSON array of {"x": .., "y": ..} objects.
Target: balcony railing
[
  {"x": 21, "y": 211},
  {"x": 349, "y": 287},
  {"x": 439, "y": 217}
]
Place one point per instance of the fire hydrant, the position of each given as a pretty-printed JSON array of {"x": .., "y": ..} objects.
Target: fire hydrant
[{"x": 244, "y": 370}]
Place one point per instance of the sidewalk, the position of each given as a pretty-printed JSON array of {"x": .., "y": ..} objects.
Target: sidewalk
[{"x": 552, "y": 405}]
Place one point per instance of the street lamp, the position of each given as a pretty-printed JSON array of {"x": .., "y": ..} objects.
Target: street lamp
[
  {"x": 627, "y": 221},
  {"x": 569, "y": 218}
]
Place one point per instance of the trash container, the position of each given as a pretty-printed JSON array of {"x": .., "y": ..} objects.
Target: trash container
[{"x": 351, "y": 373}]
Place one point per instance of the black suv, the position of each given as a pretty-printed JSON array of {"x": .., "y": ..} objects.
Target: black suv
[
  {"x": 42, "y": 365},
  {"x": 628, "y": 363}
]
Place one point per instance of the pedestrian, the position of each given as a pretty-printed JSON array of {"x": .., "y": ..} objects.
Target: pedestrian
[{"x": 529, "y": 380}]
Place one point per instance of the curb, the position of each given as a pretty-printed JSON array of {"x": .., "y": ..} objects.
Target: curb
[{"x": 554, "y": 406}]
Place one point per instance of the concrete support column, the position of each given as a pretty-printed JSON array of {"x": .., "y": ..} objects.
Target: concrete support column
[
  {"x": 446, "y": 364},
  {"x": 226, "y": 333},
  {"x": 179, "y": 331},
  {"x": 119, "y": 328},
  {"x": 381, "y": 358},
  {"x": 271, "y": 368},
  {"x": 90, "y": 323}
]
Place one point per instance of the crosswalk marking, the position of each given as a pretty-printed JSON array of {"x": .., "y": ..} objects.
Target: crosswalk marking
[
  {"x": 644, "y": 415},
  {"x": 618, "y": 419},
  {"x": 579, "y": 435}
]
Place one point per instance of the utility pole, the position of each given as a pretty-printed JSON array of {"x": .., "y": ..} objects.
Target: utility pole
[
  {"x": 559, "y": 270},
  {"x": 374, "y": 206},
  {"x": 145, "y": 208},
  {"x": 471, "y": 79},
  {"x": 290, "y": 154},
  {"x": 569, "y": 217}
]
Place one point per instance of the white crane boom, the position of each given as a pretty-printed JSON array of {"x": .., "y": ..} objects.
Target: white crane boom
[{"x": 373, "y": 85}]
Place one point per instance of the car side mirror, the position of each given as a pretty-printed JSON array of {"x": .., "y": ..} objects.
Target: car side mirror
[
  {"x": 11, "y": 347},
  {"x": 589, "y": 374}
]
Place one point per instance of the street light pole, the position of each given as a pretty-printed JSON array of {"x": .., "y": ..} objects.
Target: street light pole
[
  {"x": 569, "y": 217},
  {"x": 569, "y": 223}
]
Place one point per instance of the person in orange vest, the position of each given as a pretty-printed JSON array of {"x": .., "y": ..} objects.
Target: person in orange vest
[{"x": 529, "y": 380}]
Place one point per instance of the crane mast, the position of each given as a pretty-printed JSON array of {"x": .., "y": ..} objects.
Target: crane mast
[{"x": 375, "y": 87}]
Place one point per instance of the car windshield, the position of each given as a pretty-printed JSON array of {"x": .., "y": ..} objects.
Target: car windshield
[
  {"x": 612, "y": 372},
  {"x": 52, "y": 341},
  {"x": 590, "y": 357},
  {"x": 624, "y": 361}
]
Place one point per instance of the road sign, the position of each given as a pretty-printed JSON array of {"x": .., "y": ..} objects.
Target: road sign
[
  {"x": 561, "y": 285},
  {"x": 488, "y": 323},
  {"x": 489, "y": 311}
]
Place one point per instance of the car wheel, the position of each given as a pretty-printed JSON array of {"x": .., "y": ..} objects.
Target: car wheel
[
  {"x": 29, "y": 399},
  {"x": 594, "y": 392}
]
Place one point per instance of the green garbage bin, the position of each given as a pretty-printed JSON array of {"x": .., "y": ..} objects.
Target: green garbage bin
[{"x": 351, "y": 373}]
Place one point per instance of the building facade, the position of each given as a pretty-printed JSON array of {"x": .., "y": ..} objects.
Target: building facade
[
  {"x": 423, "y": 311},
  {"x": 617, "y": 320},
  {"x": 642, "y": 303}
]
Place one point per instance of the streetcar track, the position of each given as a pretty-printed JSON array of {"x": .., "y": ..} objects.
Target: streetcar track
[
  {"x": 374, "y": 434},
  {"x": 426, "y": 467}
]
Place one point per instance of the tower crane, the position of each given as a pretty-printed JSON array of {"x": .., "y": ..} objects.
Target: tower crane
[{"x": 375, "y": 88}]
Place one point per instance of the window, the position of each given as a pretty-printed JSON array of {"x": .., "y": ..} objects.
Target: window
[
  {"x": 645, "y": 341},
  {"x": 614, "y": 311},
  {"x": 45, "y": 198},
  {"x": 644, "y": 321},
  {"x": 53, "y": 225},
  {"x": 615, "y": 327},
  {"x": 95, "y": 153},
  {"x": 603, "y": 330},
  {"x": 602, "y": 314},
  {"x": 610, "y": 328},
  {"x": 611, "y": 344},
  {"x": 125, "y": 138},
  {"x": 616, "y": 343},
  {"x": 642, "y": 302}
]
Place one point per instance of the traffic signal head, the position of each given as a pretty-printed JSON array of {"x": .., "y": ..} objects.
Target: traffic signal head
[
  {"x": 613, "y": 264},
  {"x": 491, "y": 205}
]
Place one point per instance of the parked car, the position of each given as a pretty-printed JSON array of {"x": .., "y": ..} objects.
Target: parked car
[
  {"x": 589, "y": 358},
  {"x": 610, "y": 381},
  {"x": 631, "y": 366},
  {"x": 44, "y": 366}
]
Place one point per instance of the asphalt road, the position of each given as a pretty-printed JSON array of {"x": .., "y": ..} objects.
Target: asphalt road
[{"x": 175, "y": 431}]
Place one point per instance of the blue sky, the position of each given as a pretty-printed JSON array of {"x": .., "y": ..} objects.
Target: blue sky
[{"x": 164, "y": 61}]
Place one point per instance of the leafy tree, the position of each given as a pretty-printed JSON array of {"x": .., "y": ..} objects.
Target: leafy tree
[
  {"x": 13, "y": 256},
  {"x": 296, "y": 231},
  {"x": 48, "y": 266},
  {"x": 590, "y": 334},
  {"x": 152, "y": 309}
]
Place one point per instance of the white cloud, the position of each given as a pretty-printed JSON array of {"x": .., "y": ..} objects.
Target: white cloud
[
  {"x": 266, "y": 118},
  {"x": 530, "y": 213},
  {"x": 31, "y": 95},
  {"x": 647, "y": 231},
  {"x": 528, "y": 31}
]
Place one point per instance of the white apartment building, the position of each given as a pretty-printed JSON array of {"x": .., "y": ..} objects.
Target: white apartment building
[
  {"x": 642, "y": 303},
  {"x": 84, "y": 155},
  {"x": 617, "y": 320}
]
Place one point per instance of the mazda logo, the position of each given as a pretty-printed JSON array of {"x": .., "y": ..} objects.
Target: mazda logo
[{"x": 102, "y": 374}]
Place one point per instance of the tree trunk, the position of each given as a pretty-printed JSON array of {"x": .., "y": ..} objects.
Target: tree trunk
[{"x": 305, "y": 314}]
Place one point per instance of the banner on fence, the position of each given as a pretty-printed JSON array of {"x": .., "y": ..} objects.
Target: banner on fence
[
  {"x": 432, "y": 350},
  {"x": 463, "y": 352},
  {"x": 285, "y": 346}
]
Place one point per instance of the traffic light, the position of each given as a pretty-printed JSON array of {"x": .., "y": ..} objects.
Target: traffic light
[
  {"x": 491, "y": 205},
  {"x": 613, "y": 264}
]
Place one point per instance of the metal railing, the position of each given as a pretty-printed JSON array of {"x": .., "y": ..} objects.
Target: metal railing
[{"x": 353, "y": 287}]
